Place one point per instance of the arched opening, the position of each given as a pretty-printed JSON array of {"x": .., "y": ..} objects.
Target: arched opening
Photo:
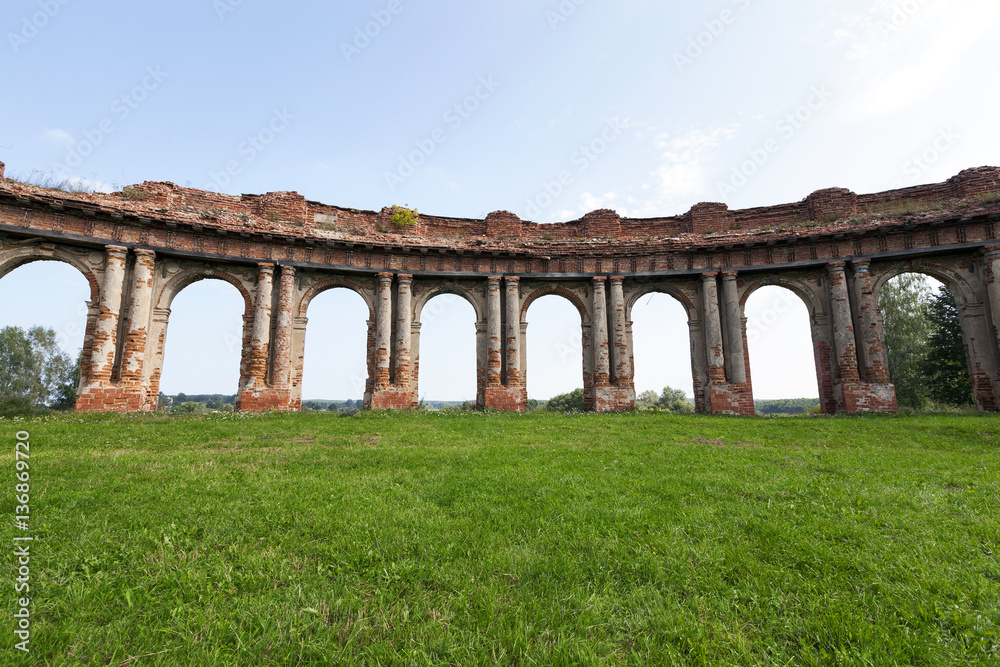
[
  {"x": 335, "y": 368},
  {"x": 924, "y": 345},
  {"x": 661, "y": 345},
  {"x": 782, "y": 356},
  {"x": 447, "y": 352},
  {"x": 554, "y": 345},
  {"x": 204, "y": 344},
  {"x": 52, "y": 295}
]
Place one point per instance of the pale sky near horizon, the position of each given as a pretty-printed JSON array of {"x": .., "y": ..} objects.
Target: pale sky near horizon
[{"x": 246, "y": 96}]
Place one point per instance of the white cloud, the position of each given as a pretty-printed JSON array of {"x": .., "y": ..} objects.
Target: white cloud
[
  {"x": 904, "y": 52},
  {"x": 592, "y": 203},
  {"x": 684, "y": 170},
  {"x": 60, "y": 137}
]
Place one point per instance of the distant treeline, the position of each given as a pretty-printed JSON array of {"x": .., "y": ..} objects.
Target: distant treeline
[
  {"x": 786, "y": 406},
  {"x": 562, "y": 403}
]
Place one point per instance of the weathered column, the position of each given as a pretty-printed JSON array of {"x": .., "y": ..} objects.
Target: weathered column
[
  {"x": 140, "y": 309},
  {"x": 993, "y": 285},
  {"x": 493, "y": 361},
  {"x": 283, "y": 333},
  {"x": 383, "y": 329},
  {"x": 713, "y": 329},
  {"x": 602, "y": 360},
  {"x": 513, "y": 333},
  {"x": 260, "y": 337},
  {"x": 404, "y": 318},
  {"x": 102, "y": 360},
  {"x": 734, "y": 328},
  {"x": 621, "y": 359},
  {"x": 873, "y": 352},
  {"x": 843, "y": 328}
]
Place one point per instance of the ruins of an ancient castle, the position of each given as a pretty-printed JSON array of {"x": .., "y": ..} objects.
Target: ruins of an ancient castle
[{"x": 140, "y": 247}]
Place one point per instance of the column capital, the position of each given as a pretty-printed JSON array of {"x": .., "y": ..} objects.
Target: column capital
[
  {"x": 861, "y": 265},
  {"x": 404, "y": 277},
  {"x": 116, "y": 250},
  {"x": 992, "y": 252},
  {"x": 834, "y": 267},
  {"x": 598, "y": 280},
  {"x": 148, "y": 254},
  {"x": 265, "y": 267},
  {"x": 493, "y": 279},
  {"x": 512, "y": 279},
  {"x": 709, "y": 275},
  {"x": 618, "y": 279},
  {"x": 729, "y": 275},
  {"x": 287, "y": 269},
  {"x": 385, "y": 278}
]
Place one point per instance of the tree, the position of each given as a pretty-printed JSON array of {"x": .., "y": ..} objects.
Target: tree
[
  {"x": 647, "y": 400},
  {"x": 904, "y": 302},
  {"x": 944, "y": 366},
  {"x": 570, "y": 402},
  {"x": 33, "y": 370},
  {"x": 66, "y": 392},
  {"x": 675, "y": 400}
]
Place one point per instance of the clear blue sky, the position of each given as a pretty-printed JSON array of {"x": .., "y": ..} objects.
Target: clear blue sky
[{"x": 253, "y": 97}]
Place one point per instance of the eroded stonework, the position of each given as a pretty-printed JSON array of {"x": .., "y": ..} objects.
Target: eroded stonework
[{"x": 140, "y": 247}]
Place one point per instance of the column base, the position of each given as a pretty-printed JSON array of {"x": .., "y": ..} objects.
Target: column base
[
  {"x": 614, "y": 399},
  {"x": 855, "y": 397},
  {"x": 391, "y": 398},
  {"x": 731, "y": 399},
  {"x": 266, "y": 399},
  {"x": 114, "y": 398},
  {"x": 508, "y": 399}
]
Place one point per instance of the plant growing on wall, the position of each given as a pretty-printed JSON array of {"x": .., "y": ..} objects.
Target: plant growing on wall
[{"x": 403, "y": 217}]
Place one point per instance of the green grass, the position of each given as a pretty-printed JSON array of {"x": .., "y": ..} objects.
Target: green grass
[{"x": 499, "y": 539}]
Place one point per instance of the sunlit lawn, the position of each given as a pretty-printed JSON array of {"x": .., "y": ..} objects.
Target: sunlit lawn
[{"x": 534, "y": 539}]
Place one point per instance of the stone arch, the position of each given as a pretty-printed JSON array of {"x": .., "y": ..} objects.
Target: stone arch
[
  {"x": 187, "y": 277},
  {"x": 692, "y": 348},
  {"x": 557, "y": 290},
  {"x": 469, "y": 295},
  {"x": 952, "y": 278},
  {"x": 364, "y": 291},
  {"x": 798, "y": 287},
  {"x": 977, "y": 330},
  {"x": 678, "y": 294},
  {"x": 810, "y": 293},
  {"x": 15, "y": 258}
]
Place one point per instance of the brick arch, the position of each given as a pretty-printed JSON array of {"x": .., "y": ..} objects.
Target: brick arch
[
  {"x": 672, "y": 292},
  {"x": 365, "y": 292},
  {"x": 808, "y": 297},
  {"x": 15, "y": 258},
  {"x": 565, "y": 292},
  {"x": 468, "y": 295},
  {"x": 187, "y": 277},
  {"x": 952, "y": 279}
]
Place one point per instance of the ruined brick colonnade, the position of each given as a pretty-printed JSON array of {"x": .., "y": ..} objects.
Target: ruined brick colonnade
[{"x": 140, "y": 247}]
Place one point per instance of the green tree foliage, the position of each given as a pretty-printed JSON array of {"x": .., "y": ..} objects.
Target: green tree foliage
[
  {"x": 944, "y": 366},
  {"x": 905, "y": 302},
  {"x": 786, "y": 406},
  {"x": 669, "y": 400},
  {"x": 34, "y": 371},
  {"x": 570, "y": 402},
  {"x": 675, "y": 400}
]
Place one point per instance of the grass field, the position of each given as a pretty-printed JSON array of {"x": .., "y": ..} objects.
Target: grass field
[{"x": 500, "y": 539}]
